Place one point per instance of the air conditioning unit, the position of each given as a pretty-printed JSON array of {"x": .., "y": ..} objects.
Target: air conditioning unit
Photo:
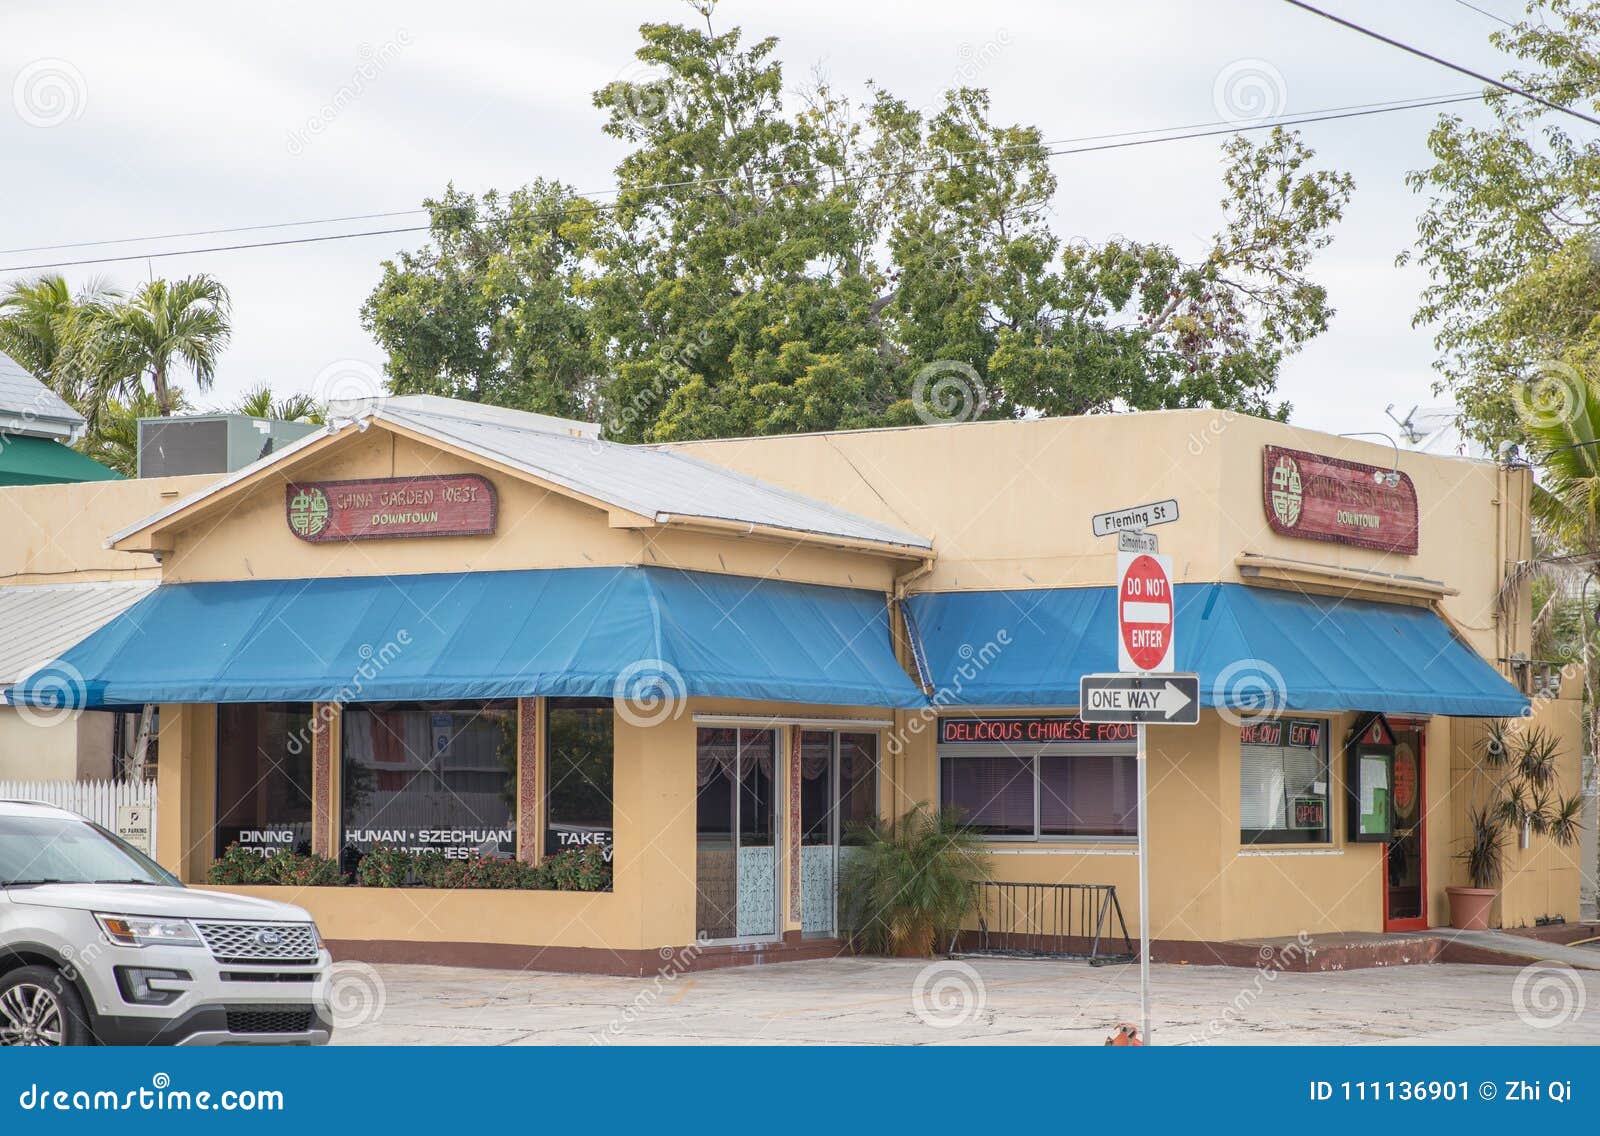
[{"x": 211, "y": 443}]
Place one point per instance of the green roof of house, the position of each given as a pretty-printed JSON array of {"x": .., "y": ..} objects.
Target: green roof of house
[{"x": 40, "y": 461}]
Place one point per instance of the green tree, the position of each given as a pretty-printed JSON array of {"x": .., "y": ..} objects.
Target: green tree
[
  {"x": 1509, "y": 232},
  {"x": 837, "y": 263},
  {"x": 165, "y": 325},
  {"x": 114, "y": 441},
  {"x": 260, "y": 402},
  {"x": 48, "y": 329},
  {"x": 492, "y": 310}
]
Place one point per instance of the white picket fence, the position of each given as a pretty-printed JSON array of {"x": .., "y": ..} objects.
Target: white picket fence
[{"x": 97, "y": 800}]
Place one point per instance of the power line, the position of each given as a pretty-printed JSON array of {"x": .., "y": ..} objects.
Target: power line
[
  {"x": 1127, "y": 140},
  {"x": 1400, "y": 104},
  {"x": 1417, "y": 51},
  {"x": 1486, "y": 12},
  {"x": 210, "y": 232}
]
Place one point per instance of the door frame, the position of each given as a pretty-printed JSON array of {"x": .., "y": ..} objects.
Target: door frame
[
  {"x": 1419, "y": 728},
  {"x": 778, "y": 815}
]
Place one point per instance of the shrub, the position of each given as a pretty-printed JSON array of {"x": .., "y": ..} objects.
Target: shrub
[
  {"x": 386, "y": 867},
  {"x": 578, "y": 869},
  {"x": 240, "y": 866},
  {"x": 904, "y": 888}
]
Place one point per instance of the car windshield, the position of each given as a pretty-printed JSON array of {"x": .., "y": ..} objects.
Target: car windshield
[{"x": 69, "y": 850}]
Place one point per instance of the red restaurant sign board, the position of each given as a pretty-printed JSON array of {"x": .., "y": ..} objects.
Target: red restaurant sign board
[
  {"x": 1322, "y": 498},
  {"x": 457, "y": 504}
]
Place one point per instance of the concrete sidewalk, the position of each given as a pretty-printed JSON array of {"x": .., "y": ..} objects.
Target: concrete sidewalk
[{"x": 973, "y": 1002}]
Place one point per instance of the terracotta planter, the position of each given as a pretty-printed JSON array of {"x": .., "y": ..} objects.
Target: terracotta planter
[{"x": 1469, "y": 907}]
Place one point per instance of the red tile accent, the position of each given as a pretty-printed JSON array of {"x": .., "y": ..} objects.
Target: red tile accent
[
  {"x": 528, "y": 727},
  {"x": 322, "y": 718}
]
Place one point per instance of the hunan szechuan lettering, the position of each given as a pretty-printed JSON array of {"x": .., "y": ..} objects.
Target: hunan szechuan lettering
[{"x": 459, "y": 504}]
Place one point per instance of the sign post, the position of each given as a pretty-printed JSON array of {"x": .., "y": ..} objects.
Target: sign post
[{"x": 1146, "y": 613}]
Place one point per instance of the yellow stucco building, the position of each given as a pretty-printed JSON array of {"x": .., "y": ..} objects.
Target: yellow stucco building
[{"x": 442, "y": 626}]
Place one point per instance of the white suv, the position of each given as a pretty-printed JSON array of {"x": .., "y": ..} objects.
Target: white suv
[{"x": 100, "y": 945}]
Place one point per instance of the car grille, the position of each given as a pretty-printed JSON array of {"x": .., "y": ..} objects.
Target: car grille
[
  {"x": 269, "y": 1019},
  {"x": 260, "y": 942}
]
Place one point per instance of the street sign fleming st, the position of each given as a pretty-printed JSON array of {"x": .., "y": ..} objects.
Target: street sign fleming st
[
  {"x": 1165, "y": 699},
  {"x": 1135, "y": 517}
]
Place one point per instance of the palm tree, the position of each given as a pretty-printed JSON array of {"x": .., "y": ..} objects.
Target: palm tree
[
  {"x": 48, "y": 329},
  {"x": 1564, "y": 442},
  {"x": 114, "y": 442},
  {"x": 259, "y": 402},
  {"x": 165, "y": 323}
]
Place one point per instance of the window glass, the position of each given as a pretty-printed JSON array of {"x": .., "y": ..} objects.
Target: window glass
[
  {"x": 1283, "y": 782},
  {"x": 1095, "y": 795},
  {"x": 580, "y": 737},
  {"x": 816, "y": 787},
  {"x": 438, "y": 776},
  {"x": 264, "y": 776},
  {"x": 992, "y": 794},
  {"x": 858, "y": 784}
]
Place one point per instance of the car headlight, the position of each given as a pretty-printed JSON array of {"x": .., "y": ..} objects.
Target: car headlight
[{"x": 142, "y": 931}]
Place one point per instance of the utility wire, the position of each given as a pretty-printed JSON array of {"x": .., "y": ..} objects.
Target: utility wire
[
  {"x": 1417, "y": 51},
  {"x": 1128, "y": 141},
  {"x": 1401, "y": 104},
  {"x": 1486, "y": 12}
]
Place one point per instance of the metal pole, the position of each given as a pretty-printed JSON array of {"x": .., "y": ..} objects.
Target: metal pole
[{"x": 1144, "y": 894}]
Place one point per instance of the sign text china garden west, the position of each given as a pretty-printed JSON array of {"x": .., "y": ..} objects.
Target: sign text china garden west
[
  {"x": 455, "y": 504},
  {"x": 1317, "y": 497}
]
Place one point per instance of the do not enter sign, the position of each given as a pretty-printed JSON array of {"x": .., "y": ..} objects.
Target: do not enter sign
[{"x": 1144, "y": 612}]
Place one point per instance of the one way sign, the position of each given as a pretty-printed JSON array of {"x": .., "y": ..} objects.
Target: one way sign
[{"x": 1168, "y": 699}]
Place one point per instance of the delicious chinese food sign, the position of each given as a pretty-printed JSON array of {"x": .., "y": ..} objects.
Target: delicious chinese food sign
[
  {"x": 458, "y": 504},
  {"x": 1323, "y": 498}
]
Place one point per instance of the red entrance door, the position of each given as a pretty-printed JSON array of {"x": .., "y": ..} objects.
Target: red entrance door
[{"x": 1405, "y": 862}]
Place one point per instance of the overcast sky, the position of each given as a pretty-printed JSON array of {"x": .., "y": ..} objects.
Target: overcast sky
[{"x": 138, "y": 120}]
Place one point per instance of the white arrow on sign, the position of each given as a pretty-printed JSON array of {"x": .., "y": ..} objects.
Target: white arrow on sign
[{"x": 1168, "y": 701}]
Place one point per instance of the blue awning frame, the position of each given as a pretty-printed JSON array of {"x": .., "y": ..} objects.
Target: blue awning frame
[
  {"x": 639, "y": 632},
  {"x": 1256, "y": 649}
]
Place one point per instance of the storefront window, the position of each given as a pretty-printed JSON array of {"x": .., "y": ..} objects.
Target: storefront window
[
  {"x": 431, "y": 776},
  {"x": 1050, "y": 779},
  {"x": 1283, "y": 782},
  {"x": 264, "y": 776},
  {"x": 579, "y": 740}
]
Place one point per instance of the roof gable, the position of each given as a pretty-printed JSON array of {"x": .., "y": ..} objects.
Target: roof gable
[{"x": 639, "y": 485}]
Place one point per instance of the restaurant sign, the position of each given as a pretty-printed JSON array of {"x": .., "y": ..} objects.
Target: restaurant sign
[
  {"x": 956, "y": 731},
  {"x": 455, "y": 504},
  {"x": 1317, "y": 497}
]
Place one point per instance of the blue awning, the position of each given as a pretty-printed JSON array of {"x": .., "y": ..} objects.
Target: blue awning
[
  {"x": 1252, "y": 647},
  {"x": 567, "y": 632}
]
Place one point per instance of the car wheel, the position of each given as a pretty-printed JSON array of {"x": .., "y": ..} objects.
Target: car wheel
[{"x": 39, "y": 1006}]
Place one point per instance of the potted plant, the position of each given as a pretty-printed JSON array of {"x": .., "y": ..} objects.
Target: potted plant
[
  {"x": 900, "y": 888},
  {"x": 1513, "y": 790}
]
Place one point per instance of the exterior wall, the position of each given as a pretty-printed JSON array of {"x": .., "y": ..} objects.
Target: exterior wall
[
  {"x": 651, "y": 906},
  {"x": 247, "y": 537},
  {"x": 55, "y": 748},
  {"x": 55, "y": 533},
  {"x": 1008, "y": 503}
]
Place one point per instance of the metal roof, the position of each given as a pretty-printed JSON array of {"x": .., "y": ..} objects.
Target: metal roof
[
  {"x": 664, "y": 485},
  {"x": 27, "y": 406},
  {"x": 39, "y": 622}
]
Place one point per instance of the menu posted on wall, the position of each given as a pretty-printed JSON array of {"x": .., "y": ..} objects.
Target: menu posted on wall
[
  {"x": 1317, "y": 497},
  {"x": 453, "y": 504}
]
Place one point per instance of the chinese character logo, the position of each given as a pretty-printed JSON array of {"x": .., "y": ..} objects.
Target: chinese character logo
[
  {"x": 308, "y": 512},
  {"x": 1286, "y": 492}
]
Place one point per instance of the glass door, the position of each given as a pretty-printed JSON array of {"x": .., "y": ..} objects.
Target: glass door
[
  {"x": 838, "y": 793},
  {"x": 1405, "y": 898},
  {"x": 736, "y": 863}
]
